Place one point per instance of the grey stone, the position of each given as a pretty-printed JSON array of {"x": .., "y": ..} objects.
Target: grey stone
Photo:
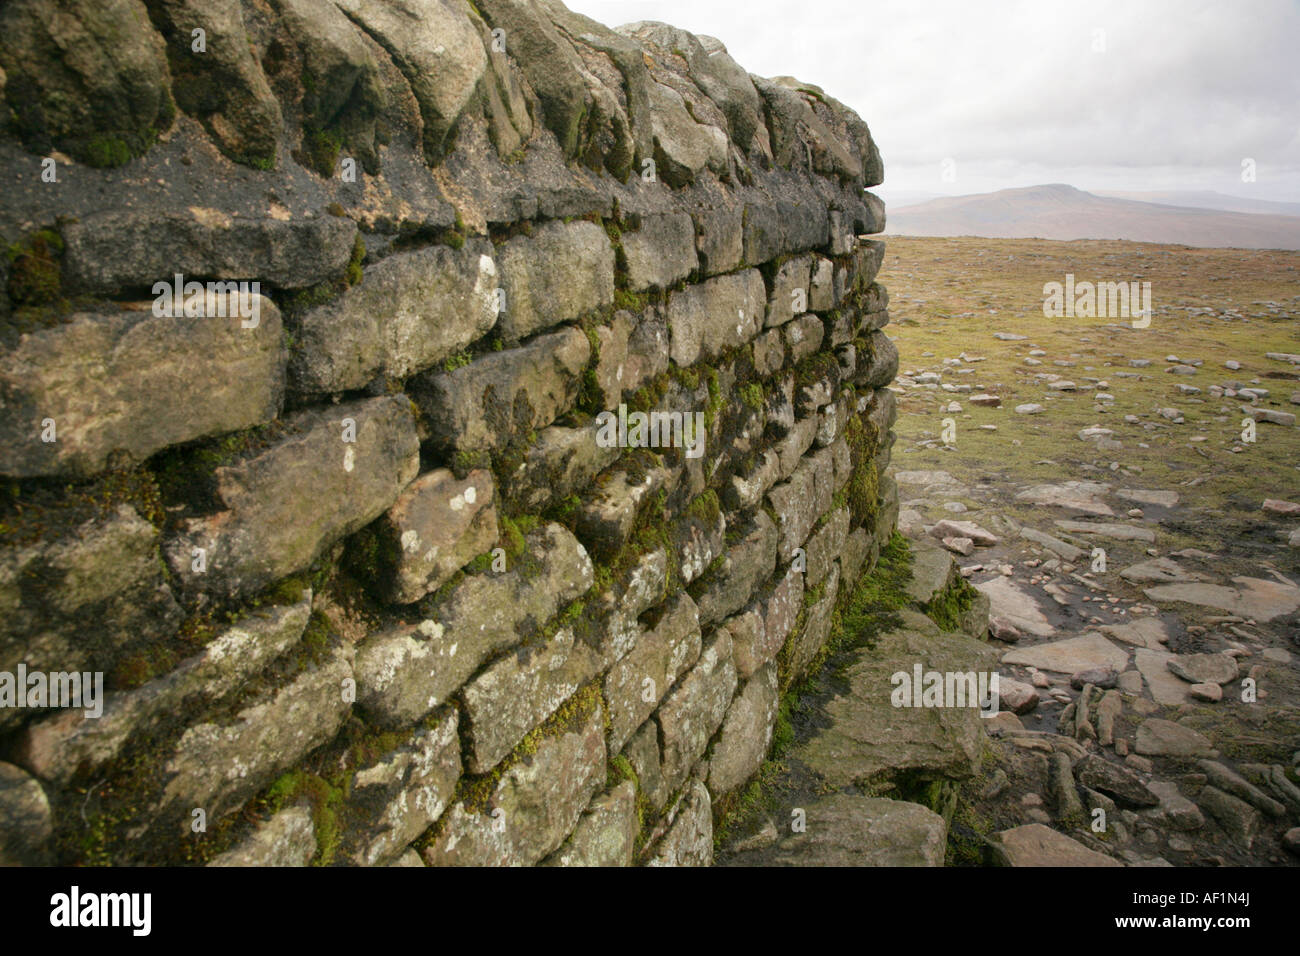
[
  {"x": 559, "y": 463},
  {"x": 405, "y": 672},
  {"x": 1036, "y": 845},
  {"x": 58, "y": 747},
  {"x": 605, "y": 834},
  {"x": 287, "y": 839},
  {"x": 1239, "y": 819},
  {"x": 26, "y": 823},
  {"x": 484, "y": 405},
  {"x": 746, "y": 733},
  {"x": 694, "y": 709},
  {"x": 136, "y": 382},
  {"x": 689, "y": 840},
  {"x": 517, "y": 692},
  {"x": 268, "y": 529},
  {"x": 437, "y": 526},
  {"x": 409, "y": 312},
  {"x": 1114, "y": 780},
  {"x": 637, "y": 683},
  {"x": 848, "y": 829},
  {"x": 1164, "y": 738},
  {"x": 554, "y": 275},
  {"x": 217, "y": 766},
  {"x": 1204, "y": 668},
  {"x": 535, "y": 803},
  {"x": 719, "y": 313},
  {"x": 661, "y": 252},
  {"x": 790, "y": 288},
  {"x": 398, "y": 797}
]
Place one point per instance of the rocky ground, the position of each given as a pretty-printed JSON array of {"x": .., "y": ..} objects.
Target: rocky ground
[{"x": 1141, "y": 559}]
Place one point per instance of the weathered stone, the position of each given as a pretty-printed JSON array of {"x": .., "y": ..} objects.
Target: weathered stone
[
  {"x": 409, "y": 312},
  {"x": 287, "y": 839},
  {"x": 798, "y": 503},
  {"x": 868, "y": 739},
  {"x": 398, "y": 797},
  {"x": 1070, "y": 656},
  {"x": 803, "y": 337},
  {"x": 790, "y": 291},
  {"x": 825, "y": 545},
  {"x": 642, "y": 751},
  {"x": 817, "y": 623},
  {"x": 60, "y": 746},
  {"x": 714, "y": 315},
  {"x": 1164, "y": 738},
  {"x": 879, "y": 364},
  {"x": 748, "y": 563},
  {"x": 535, "y": 803},
  {"x": 115, "y": 87},
  {"x": 847, "y": 829},
  {"x": 1036, "y": 845},
  {"x": 1204, "y": 668},
  {"x": 104, "y": 570},
  {"x": 26, "y": 823},
  {"x": 516, "y": 693},
  {"x": 437, "y": 526},
  {"x": 695, "y": 707},
  {"x": 746, "y": 733},
  {"x": 129, "y": 249},
  {"x": 1083, "y": 497},
  {"x": 1239, "y": 819},
  {"x": 1232, "y": 782},
  {"x": 268, "y": 529},
  {"x": 1257, "y": 598},
  {"x": 561, "y": 462},
  {"x": 1115, "y": 780},
  {"x": 683, "y": 147},
  {"x": 718, "y": 237},
  {"x": 485, "y": 405},
  {"x": 217, "y": 766},
  {"x": 933, "y": 571},
  {"x": 136, "y": 382},
  {"x": 660, "y": 252},
  {"x": 748, "y": 485},
  {"x": 554, "y": 275},
  {"x": 1175, "y": 809},
  {"x": 605, "y": 834},
  {"x": 698, "y": 538},
  {"x": 606, "y": 519},
  {"x": 689, "y": 840},
  {"x": 404, "y": 673},
  {"x": 438, "y": 50},
  {"x": 636, "y": 684},
  {"x": 853, "y": 556}
]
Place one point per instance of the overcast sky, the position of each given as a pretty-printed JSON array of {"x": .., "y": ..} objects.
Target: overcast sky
[{"x": 1169, "y": 95}]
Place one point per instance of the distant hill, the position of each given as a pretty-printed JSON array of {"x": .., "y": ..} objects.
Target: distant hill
[
  {"x": 1205, "y": 199},
  {"x": 1062, "y": 212}
]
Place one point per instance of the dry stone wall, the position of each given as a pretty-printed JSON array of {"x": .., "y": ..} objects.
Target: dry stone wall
[{"x": 376, "y": 557}]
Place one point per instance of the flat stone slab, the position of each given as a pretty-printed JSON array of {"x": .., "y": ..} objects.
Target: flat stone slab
[
  {"x": 933, "y": 570},
  {"x": 1055, "y": 545},
  {"x": 1118, "y": 532},
  {"x": 847, "y": 829},
  {"x": 1070, "y": 656},
  {"x": 1164, "y": 738},
  {"x": 1036, "y": 845},
  {"x": 1164, "y": 686},
  {"x": 1204, "y": 668},
  {"x": 868, "y": 739},
  {"x": 1011, "y": 603},
  {"x": 1083, "y": 497},
  {"x": 1160, "y": 571},
  {"x": 1256, "y": 598},
  {"x": 1161, "y": 499},
  {"x": 1149, "y": 632}
]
